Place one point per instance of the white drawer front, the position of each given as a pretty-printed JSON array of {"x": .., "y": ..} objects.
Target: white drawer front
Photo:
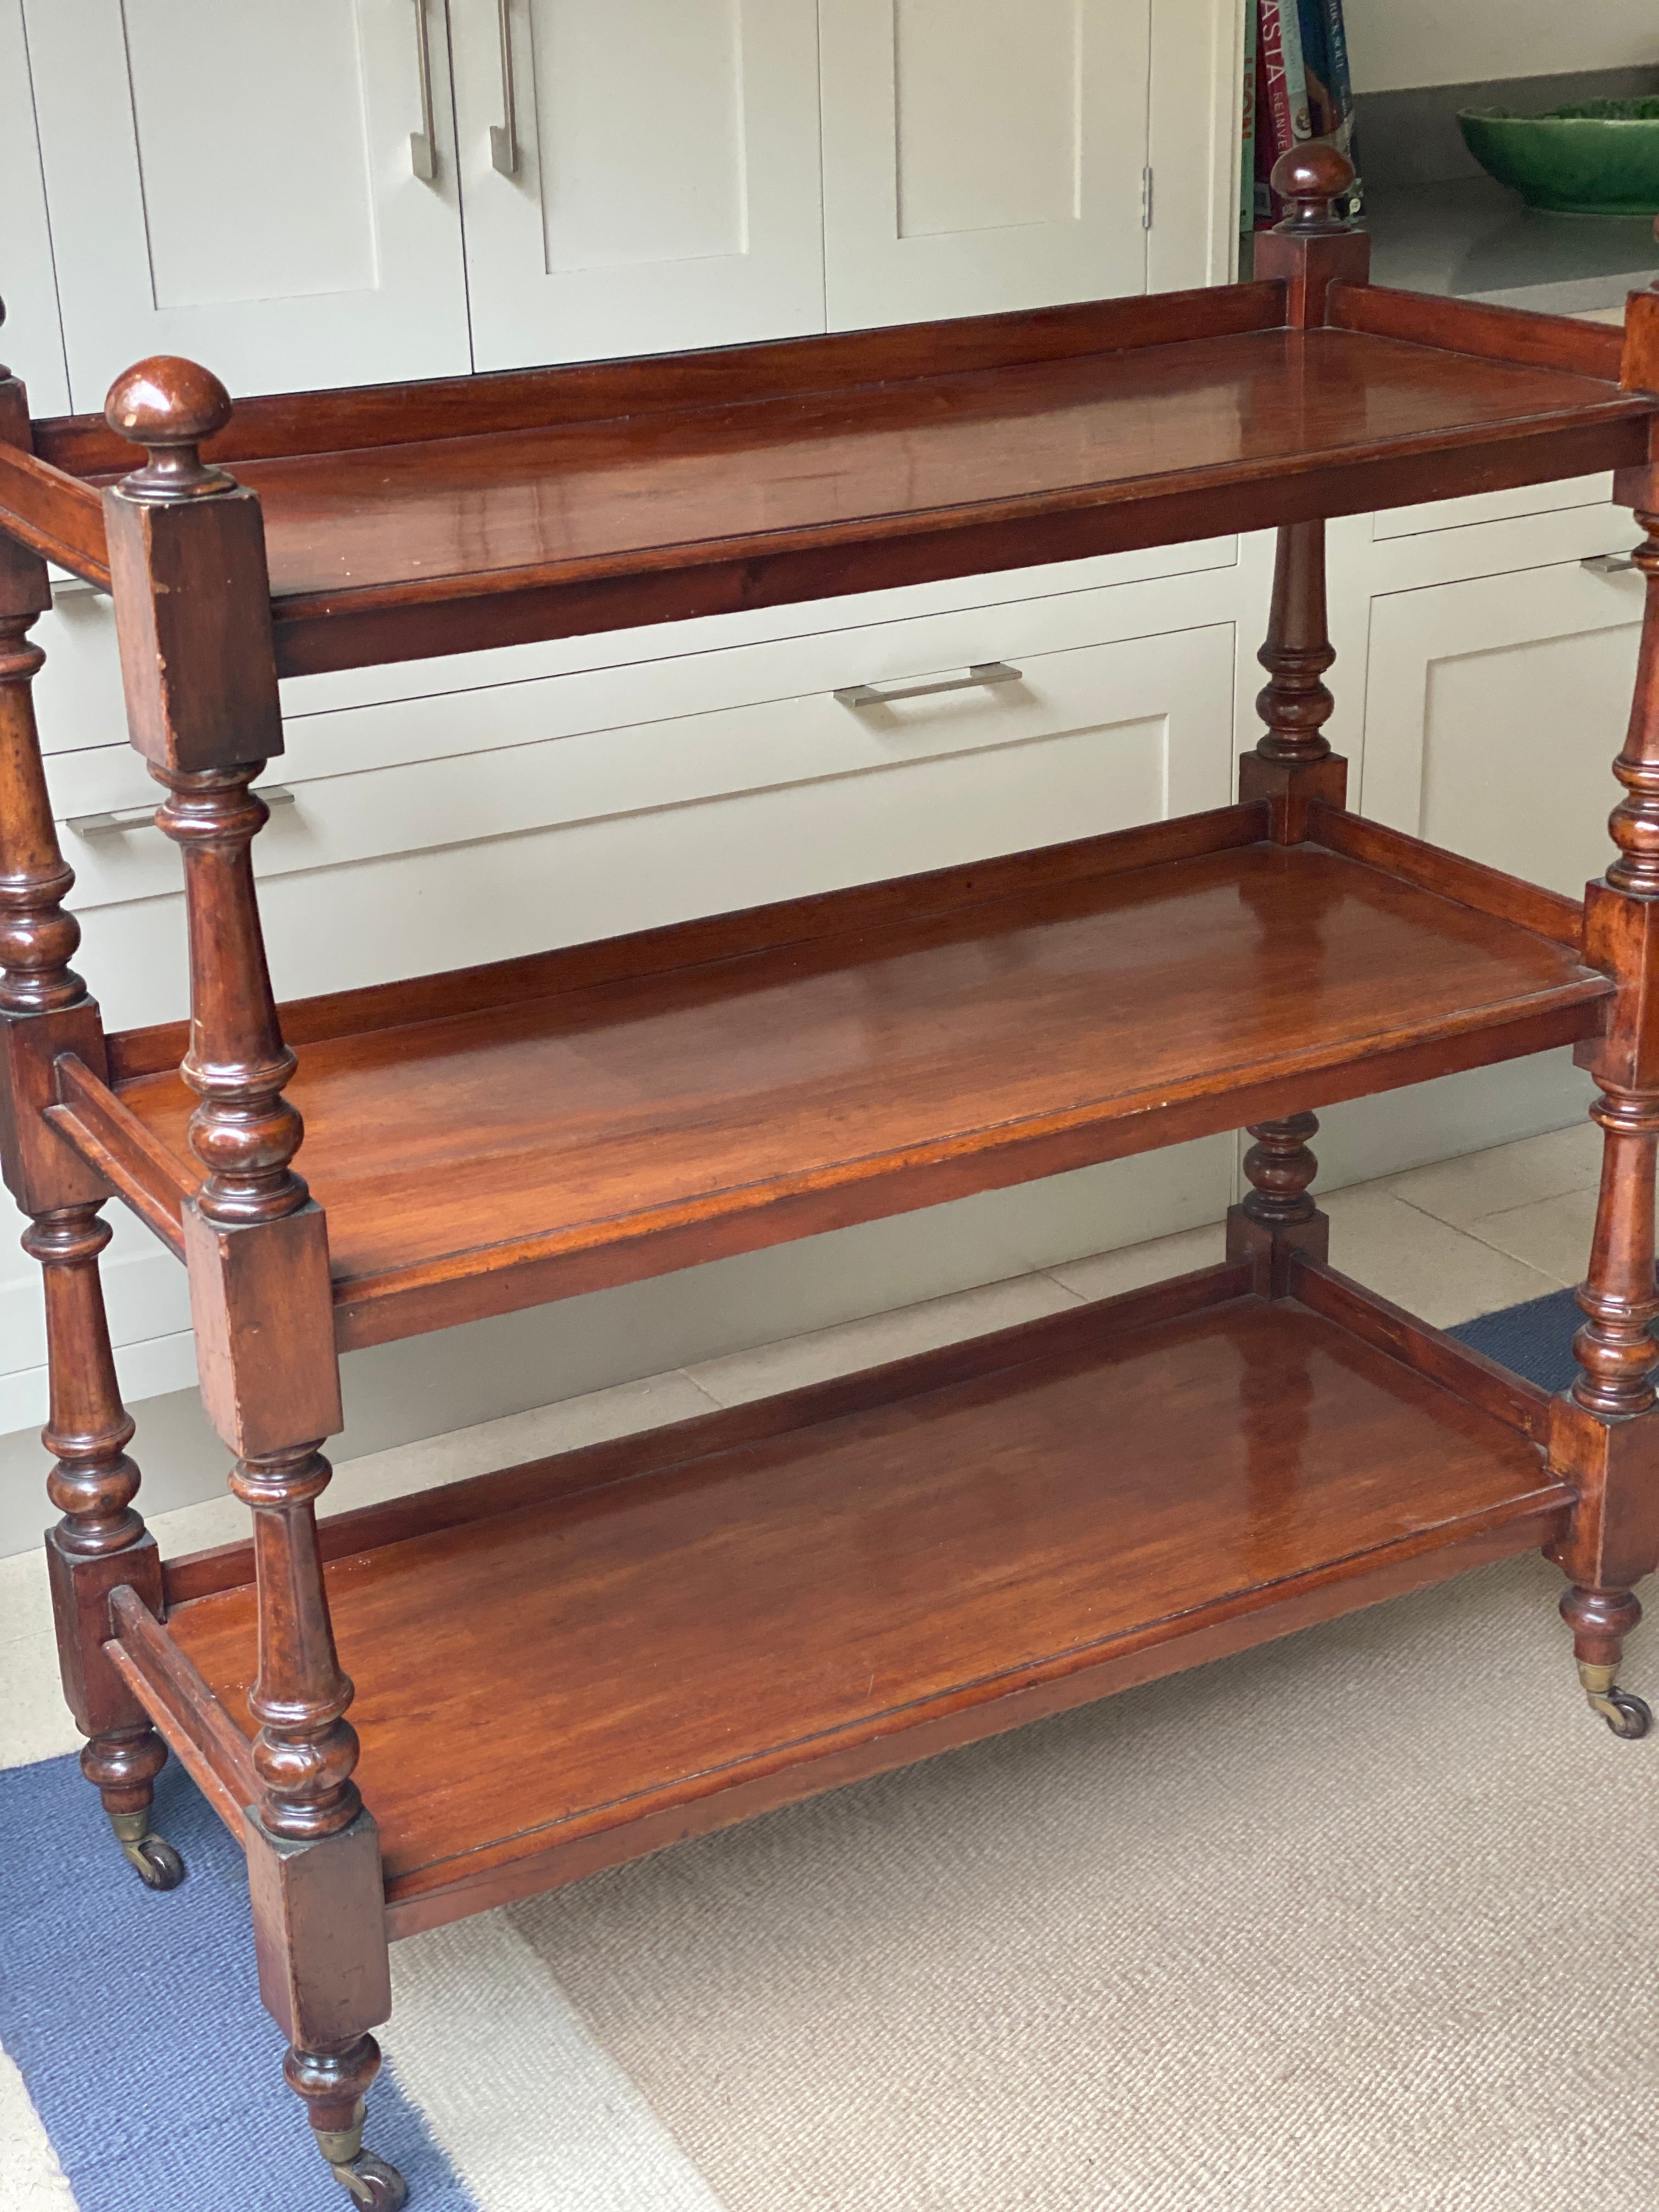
[
  {"x": 384, "y": 871},
  {"x": 1492, "y": 507}
]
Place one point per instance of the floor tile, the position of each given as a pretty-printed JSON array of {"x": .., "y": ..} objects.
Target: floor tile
[
  {"x": 1554, "y": 1235},
  {"x": 797, "y": 1360},
  {"x": 1460, "y": 1191},
  {"x": 1134, "y": 1265},
  {"x": 34, "y": 1722},
  {"x": 627, "y": 1409},
  {"x": 1436, "y": 1271}
]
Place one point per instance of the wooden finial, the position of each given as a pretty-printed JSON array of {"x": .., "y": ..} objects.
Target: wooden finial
[
  {"x": 169, "y": 407},
  {"x": 1310, "y": 177},
  {"x": 5, "y": 371}
]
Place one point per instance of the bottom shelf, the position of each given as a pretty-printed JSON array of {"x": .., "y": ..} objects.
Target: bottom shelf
[{"x": 565, "y": 1665}]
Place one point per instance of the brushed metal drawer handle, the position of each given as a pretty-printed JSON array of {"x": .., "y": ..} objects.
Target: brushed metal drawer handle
[
  {"x": 424, "y": 143},
  {"x": 1608, "y": 564},
  {"x": 118, "y": 820},
  {"x": 504, "y": 135},
  {"x": 982, "y": 672}
]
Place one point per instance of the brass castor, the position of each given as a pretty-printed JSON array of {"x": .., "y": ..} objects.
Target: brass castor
[
  {"x": 159, "y": 1866},
  {"x": 1625, "y": 1713},
  {"x": 369, "y": 2181}
]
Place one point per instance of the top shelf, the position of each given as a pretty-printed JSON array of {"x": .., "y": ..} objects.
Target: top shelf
[{"x": 404, "y": 522}]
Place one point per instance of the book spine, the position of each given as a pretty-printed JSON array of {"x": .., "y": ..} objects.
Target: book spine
[
  {"x": 1340, "y": 78},
  {"x": 1296, "y": 75},
  {"x": 1286, "y": 82},
  {"x": 1247, "y": 127},
  {"x": 1264, "y": 139},
  {"x": 1315, "y": 67},
  {"x": 1279, "y": 135}
]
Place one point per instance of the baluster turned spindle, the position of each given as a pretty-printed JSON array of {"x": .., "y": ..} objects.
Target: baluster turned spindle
[
  {"x": 1606, "y": 1434},
  {"x": 99, "y": 1540},
  {"x": 193, "y": 615}
]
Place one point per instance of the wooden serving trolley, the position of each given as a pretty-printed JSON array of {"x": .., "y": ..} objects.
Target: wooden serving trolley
[{"x": 564, "y": 1665}]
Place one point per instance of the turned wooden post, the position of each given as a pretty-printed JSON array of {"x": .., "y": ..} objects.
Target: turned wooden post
[
  {"x": 192, "y": 597},
  {"x": 1605, "y": 1431},
  {"x": 1294, "y": 764},
  {"x": 101, "y": 1541},
  {"x": 1278, "y": 1216}
]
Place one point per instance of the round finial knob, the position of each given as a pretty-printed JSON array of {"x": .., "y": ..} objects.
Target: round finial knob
[
  {"x": 5, "y": 372},
  {"x": 1310, "y": 177},
  {"x": 169, "y": 406}
]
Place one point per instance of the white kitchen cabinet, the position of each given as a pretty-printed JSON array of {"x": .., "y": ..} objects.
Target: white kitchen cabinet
[
  {"x": 981, "y": 154},
  {"x": 638, "y": 177},
  {"x": 1494, "y": 710},
  {"x": 33, "y": 343},
  {"x": 238, "y": 183}
]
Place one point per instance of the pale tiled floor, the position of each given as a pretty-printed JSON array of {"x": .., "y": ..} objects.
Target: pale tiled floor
[{"x": 1448, "y": 1242}]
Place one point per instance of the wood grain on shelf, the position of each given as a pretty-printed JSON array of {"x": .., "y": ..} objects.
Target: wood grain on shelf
[
  {"x": 478, "y": 1162},
  {"x": 793, "y": 1608}
]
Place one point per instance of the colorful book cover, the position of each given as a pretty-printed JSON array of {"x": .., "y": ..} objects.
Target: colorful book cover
[
  {"x": 1285, "y": 106},
  {"x": 1263, "y": 140},
  {"x": 1339, "y": 79},
  {"x": 1316, "y": 67},
  {"x": 1247, "y": 140}
]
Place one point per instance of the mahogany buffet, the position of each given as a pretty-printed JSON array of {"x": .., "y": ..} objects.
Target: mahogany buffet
[{"x": 564, "y": 1665}]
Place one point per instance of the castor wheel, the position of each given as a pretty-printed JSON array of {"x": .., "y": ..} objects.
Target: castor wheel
[
  {"x": 1626, "y": 1714},
  {"x": 159, "y": 1865},
  {"x": 372, "y": 2183}
]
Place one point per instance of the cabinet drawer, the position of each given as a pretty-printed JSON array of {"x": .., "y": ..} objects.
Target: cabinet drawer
[
  {"x": 1492, "y": 507},
  {"x": 383, "y": 870}
]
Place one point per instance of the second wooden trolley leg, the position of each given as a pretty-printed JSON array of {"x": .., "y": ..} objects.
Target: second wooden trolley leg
[{"x": 1605, "y": 1430}]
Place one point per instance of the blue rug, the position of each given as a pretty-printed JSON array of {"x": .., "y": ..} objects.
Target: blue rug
[
  {"x": 1533, "y": 1340},
  {"x": 135, "y": 2019}
]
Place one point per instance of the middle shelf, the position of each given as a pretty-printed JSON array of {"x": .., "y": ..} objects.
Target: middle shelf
[{"x": 489, "y": 1139}]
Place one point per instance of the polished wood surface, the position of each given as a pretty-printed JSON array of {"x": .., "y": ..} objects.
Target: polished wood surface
[
  {"x": 413, "y": 519},
  {"x": 860, "y": 1072},
  {"x": 1095, "y": 431},
  {"x": 732, "y": 1612}
]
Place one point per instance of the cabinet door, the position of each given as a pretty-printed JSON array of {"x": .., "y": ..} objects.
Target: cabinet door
[
  {"x": 639, "y": 176},
  {"x": 237, "y": 182},
  {"x": 981, "y": 154},
  {"x": 1494, "y": 710}
]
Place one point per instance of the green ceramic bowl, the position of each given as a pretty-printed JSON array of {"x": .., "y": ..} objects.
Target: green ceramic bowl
[{"x": 1601, "y": 158}]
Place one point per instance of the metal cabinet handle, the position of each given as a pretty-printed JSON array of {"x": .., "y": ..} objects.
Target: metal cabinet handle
[
  {"x": 422, "y": 144},
  {"x": 504, "y": 135},
  {"x": 122, "y": 818},
  {"x": 982, "y": 672},
  {"x": 1608, "y": 564}
]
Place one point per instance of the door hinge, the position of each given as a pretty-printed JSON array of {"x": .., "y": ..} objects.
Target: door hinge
[{"x": 1146, "y": 199}]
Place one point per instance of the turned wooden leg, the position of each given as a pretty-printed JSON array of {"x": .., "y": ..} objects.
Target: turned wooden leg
[
  {"x": 1600, "y": 1621},
  {"x": 1278, "y": 1216},
  {"x": 101, "y": 1543},
  {"x": 1610, "y": 1433},
  {"x": 1604, "y": 1432},
  {"x": 313, "y": 1853},
  {"x": 334, "y": 2084}
]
